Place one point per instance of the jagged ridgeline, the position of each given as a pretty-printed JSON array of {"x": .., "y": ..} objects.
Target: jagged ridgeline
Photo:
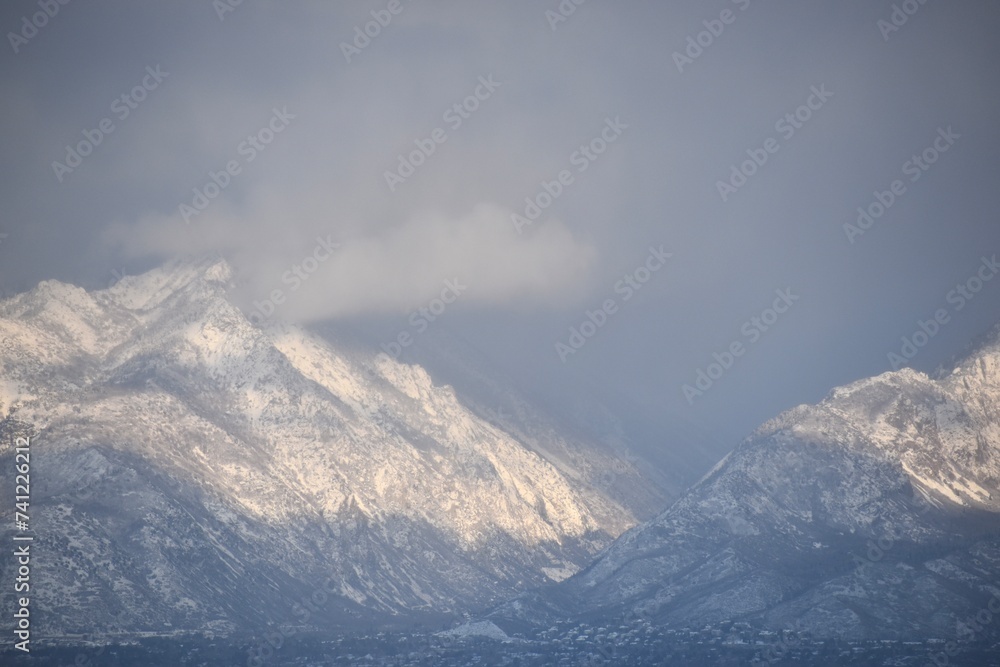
[
  {"x": 874, "y": 514},
  {"x": 194, "y": 471}
]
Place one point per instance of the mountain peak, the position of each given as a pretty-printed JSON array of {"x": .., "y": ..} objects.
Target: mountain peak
[
  {"x": 287, "y": 457},
  {"x": 209, "y": 274},
  {"x": 861, "y": 512},
  {"x": 218, "y": 271}
]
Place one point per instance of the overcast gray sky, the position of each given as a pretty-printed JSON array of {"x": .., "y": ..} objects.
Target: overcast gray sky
[{"x": 640, "y": 108}]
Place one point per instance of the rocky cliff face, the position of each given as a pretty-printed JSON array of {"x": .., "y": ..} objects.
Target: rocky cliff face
[{"x": 192, "y": 470}]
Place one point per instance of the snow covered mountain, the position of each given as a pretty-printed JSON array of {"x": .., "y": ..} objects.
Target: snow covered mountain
[
  {"x": 875, "y": 513},
  {"x": 192, "y": 470}
]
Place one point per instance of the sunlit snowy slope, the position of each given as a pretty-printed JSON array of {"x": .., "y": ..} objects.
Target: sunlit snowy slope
[{"x": 193, "y": 470}]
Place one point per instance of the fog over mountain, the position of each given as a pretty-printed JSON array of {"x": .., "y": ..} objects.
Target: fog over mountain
[
  {"x": 341, "y": 122},
  {"x": 508, "y": 320},
  {"x": 261, "y": 459},
  {"x": 871, "y": 514}
]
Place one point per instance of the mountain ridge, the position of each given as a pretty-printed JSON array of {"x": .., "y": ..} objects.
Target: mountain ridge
[
  {"x": 874, "y": 513},
  {"x": 192, "y": 465}
]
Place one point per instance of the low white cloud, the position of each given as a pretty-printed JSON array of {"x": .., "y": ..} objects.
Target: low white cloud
[
  {"x": 407, "y": 266},
  {"x": 394, "y": 271}
]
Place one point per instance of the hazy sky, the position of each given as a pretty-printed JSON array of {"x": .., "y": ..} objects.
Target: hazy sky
[{"x": 620, "y": 121}]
